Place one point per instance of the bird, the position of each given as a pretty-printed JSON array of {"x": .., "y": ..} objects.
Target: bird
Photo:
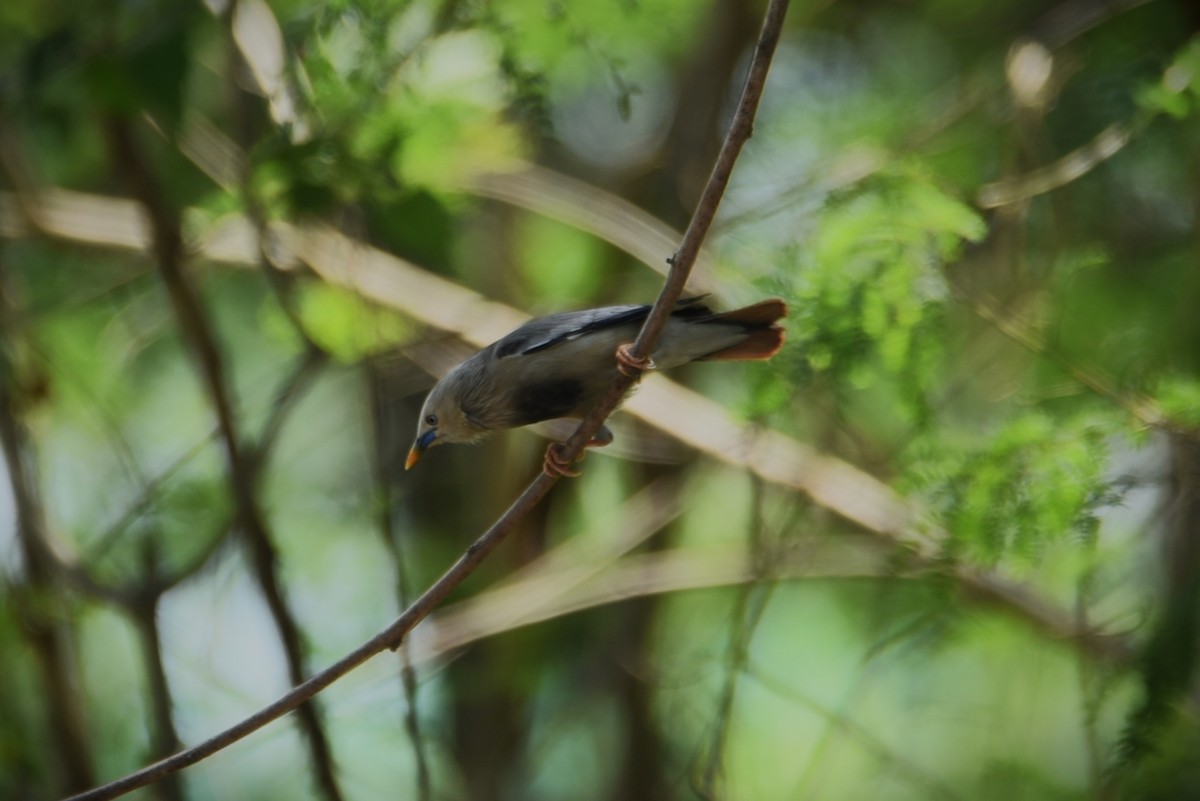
[{"x": 560, "y": 365}]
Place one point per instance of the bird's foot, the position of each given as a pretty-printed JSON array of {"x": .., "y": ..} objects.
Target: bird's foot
[
  {"x": 602, "y": 437},
  {"x": 630, "y": 365},
  {"x": 556, "y": 466}
]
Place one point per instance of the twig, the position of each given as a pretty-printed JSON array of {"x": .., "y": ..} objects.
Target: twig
[{"x": 391, "y": 636}]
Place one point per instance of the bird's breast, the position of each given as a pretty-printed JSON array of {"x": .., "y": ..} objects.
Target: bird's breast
[{"x": 547, "y": 398}]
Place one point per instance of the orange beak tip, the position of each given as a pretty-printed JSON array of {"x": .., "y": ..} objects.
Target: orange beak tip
[{"x": 414, "y": 456}]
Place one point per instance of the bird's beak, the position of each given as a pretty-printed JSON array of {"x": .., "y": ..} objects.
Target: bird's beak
[{"x": 418, "y": 448}]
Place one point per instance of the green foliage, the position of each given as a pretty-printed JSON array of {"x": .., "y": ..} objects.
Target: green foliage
[
  {"x": 870, "y": 300},
  {"x": 1179, "y": 398},
  {"x": 1011, "y": 779},
  {"x": 425, "y": 107},
  {"x": 1178, "y": 92},
  {"x": 562, "y": 263},
  {"x": 549, "y": 36},
  {"x": 1036, "y": 480},
  {"x": 339, "y": 321}
]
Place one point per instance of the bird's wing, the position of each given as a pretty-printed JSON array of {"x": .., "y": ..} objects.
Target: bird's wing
[
  {"x": 543, "y": 333},
  {"x": 546, "y": 332}
]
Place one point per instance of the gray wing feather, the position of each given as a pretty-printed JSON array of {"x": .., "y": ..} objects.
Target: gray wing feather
[{"x": 546, "y": 332}]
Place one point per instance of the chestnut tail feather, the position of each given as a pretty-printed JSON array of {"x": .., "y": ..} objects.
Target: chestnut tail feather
[
  {"x": 760, "y": 314},
  {"x": 765, "y": 338},
  {"x": 759, "y": 346}
]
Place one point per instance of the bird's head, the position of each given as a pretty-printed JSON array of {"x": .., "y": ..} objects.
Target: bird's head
[{"x": 443, "y": 420}]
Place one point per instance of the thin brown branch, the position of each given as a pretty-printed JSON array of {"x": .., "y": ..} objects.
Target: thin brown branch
[
  {"x": 706, "y": 210},
  {"x": 541, "y": 485},
  {"x": 739, "y": 133}
]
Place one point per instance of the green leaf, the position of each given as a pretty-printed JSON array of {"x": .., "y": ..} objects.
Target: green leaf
[
  {"x": 347, "y": 326},
  {"x": 1179, "y": 398}
]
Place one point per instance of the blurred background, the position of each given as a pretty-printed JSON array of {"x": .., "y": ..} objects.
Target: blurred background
[{"x": 943, "y": 546}]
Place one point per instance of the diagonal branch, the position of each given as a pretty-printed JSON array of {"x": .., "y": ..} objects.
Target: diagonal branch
[
  {"x": 391, "y": 637},
  {"x": 689, "y": 248}
]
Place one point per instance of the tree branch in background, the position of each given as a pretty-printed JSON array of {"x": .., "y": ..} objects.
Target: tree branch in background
[
  {"x": 751, "y": 603},
  {"x": 1170, "y": 662},
  {"x": 383, "y": 468},
  {"x": 1068, "y": 168},
  {"x": 164, "y": 737},
  {"x": 167, "y": 237},
  {"x": 45, "y": 626},
  {"x": 602, "y": 214}
]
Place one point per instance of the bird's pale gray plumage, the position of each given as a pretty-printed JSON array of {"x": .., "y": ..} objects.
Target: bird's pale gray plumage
[{"x": 561, "y": 364}]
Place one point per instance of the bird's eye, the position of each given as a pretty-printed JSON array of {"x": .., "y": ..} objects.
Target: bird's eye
[{"x": 431, "y": 419}]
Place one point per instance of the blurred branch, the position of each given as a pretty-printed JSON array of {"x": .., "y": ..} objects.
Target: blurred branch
[
  {"x": 1074, "y": 165},
  {"x": 602, "y": 214},
  {"x": 535, "y": 188},
  {"x": 1059, "y": 26},
  {"x": 1073, "y": 18},
  {"x": 751, "y": 603},
  {"x": 493, "y": 612},
  {"x": 1170, "y": 662},
  {"x": 164, "y": 737},
  {"x": 929, "y": 785},
  {"x": 294, "y": 387},
  {"x": 380, "y": 439},
  {"x": 168, "y": 246},
  {"x": 36, "y": 604},
  {"x": 259, "y": 38},
  {"x": 542, "y": 586},
  {"x": 1140, "y": 406}
]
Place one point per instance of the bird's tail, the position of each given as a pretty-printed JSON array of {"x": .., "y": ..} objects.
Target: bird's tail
[{"x": 764, "y": 339}]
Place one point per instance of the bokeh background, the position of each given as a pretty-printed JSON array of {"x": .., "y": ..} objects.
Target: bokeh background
[{"x": 945, "y": 545}]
